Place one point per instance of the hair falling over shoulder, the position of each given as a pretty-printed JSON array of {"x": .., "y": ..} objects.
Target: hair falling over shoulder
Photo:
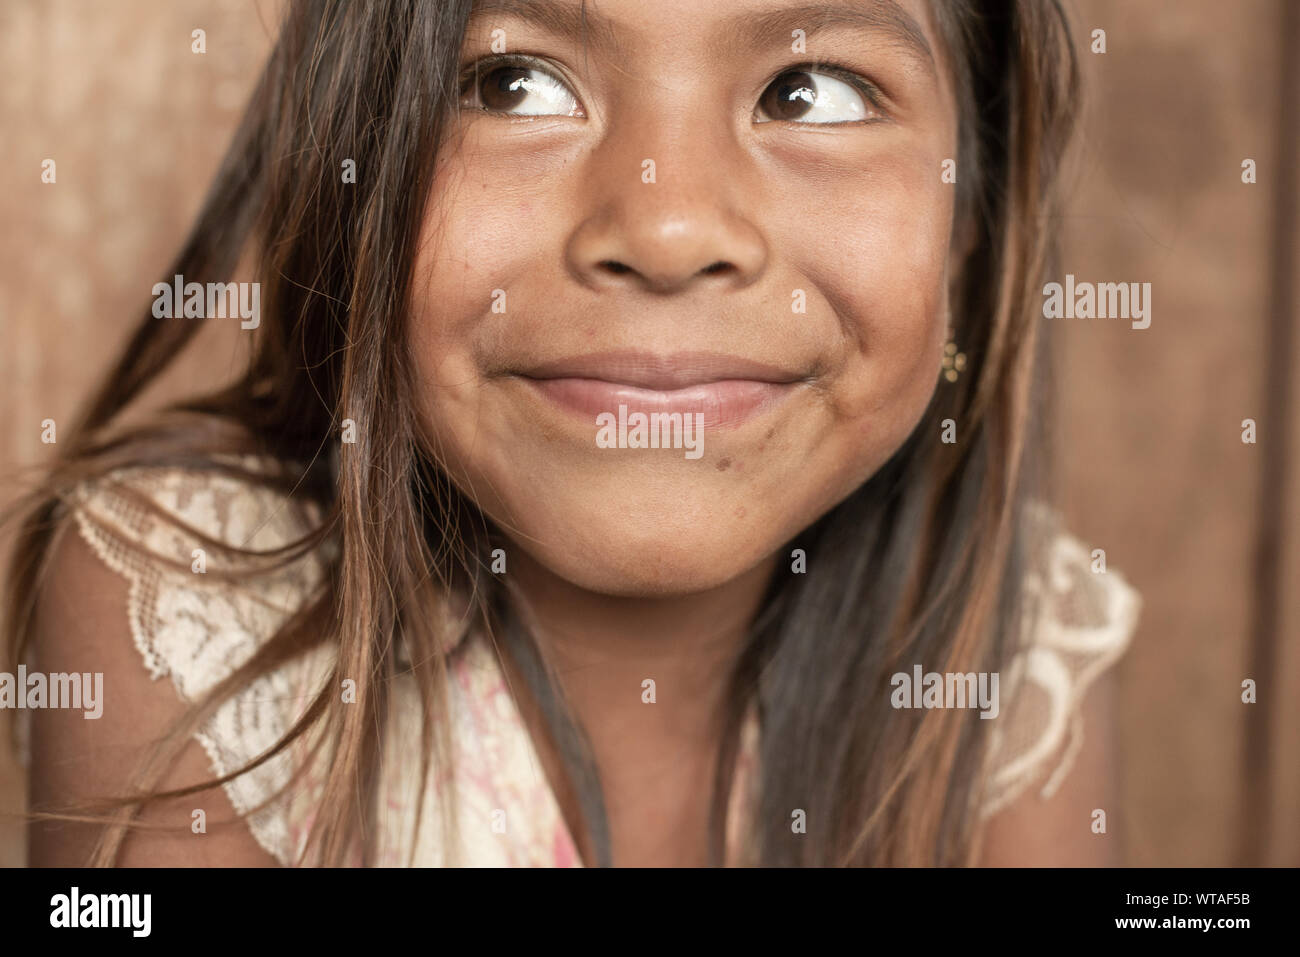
[{"x": 903, "y": 579}]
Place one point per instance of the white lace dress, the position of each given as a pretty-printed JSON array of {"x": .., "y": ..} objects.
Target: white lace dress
[{"x": 195, "y": 629}]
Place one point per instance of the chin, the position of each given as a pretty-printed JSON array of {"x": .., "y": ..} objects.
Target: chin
[
  {"x": 642, "y": 546},
  {"x": 668, "y": 573}
]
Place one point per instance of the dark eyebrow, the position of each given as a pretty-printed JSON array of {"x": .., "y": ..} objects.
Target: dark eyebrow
[
  {"x": 873, "y": 16},
  {"x": 562, "y": 18},
  {"x": 574, "y": 21}
]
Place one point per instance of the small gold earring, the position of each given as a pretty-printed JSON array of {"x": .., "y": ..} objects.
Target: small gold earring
[{"x": 953, "y": 361}]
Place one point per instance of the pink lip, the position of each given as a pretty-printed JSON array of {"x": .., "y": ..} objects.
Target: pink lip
[{"x": 727, "y": 390}]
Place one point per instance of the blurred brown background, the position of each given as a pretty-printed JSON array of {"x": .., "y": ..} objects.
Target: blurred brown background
[{"x": 1153, "y": 467}]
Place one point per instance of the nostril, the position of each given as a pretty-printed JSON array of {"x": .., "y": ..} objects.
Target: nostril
[{"x": 614, "y": 267}]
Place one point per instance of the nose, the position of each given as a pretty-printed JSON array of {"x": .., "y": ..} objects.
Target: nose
[{"x": 687, "y": 228}]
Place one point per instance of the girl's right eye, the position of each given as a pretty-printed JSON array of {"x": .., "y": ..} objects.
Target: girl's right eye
[{"x": 517, "y": 89}]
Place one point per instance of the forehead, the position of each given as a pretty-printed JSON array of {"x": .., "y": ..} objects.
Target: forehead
[{"x": 618, "y": 26}]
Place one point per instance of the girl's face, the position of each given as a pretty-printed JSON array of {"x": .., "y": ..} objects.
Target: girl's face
[{"x": 728, "y": 214}]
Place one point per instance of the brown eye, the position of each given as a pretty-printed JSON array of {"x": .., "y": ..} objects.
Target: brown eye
[
  {"x": 789, "y": 96},
  {"x": 802, "y": 96},
  {"x": 519, "y": 90},
  {"x": 504, "y": 88}
]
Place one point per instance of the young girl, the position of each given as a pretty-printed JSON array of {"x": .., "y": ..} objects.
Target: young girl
[{"x": 638, "y": 461}]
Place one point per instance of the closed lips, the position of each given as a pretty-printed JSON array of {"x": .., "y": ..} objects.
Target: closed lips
[{"x": 726, "y": 390}]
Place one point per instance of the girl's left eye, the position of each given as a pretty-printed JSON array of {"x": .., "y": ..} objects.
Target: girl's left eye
[
  {"x": 518, "y": 89},
  {"x": 805, "y": 96}
]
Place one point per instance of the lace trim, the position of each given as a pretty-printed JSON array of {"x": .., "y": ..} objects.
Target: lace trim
[
  {"x": 1084, "y": 624},
  {"x": 198, "y": 631}
]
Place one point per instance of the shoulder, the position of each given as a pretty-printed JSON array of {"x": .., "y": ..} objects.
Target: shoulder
[
  {"x": 1079, "y": 619},
  {"x": 203, "y": 554},
  {"x": 185, "y": 574}
]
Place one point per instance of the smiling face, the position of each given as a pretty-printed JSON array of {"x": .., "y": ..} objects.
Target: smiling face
[{"x": 702, "y": 216}]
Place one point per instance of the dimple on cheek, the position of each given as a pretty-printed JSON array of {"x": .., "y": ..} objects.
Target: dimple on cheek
[{"x": 890, "y": 359}]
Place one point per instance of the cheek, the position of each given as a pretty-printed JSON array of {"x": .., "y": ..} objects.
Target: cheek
[
  {"x": 496, "y": 211},
  {"x": 485, "y": 259},
  {"x": 890, "y": 269},
  {"x": 884, "y": 275},
  {"x": 452, "y": 290},
  {"x": 466, "y": 267},
  {"x": 884, "y": 279},
  {"x": 469, "y": 247}
]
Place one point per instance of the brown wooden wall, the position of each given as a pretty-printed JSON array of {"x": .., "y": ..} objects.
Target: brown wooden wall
[
  {"x": 1154, "y": 467},
  {"x": 1149, "y": 430}
]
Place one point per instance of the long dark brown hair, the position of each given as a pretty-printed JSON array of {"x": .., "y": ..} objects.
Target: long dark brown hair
[{"x": 923, "y": 563}]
